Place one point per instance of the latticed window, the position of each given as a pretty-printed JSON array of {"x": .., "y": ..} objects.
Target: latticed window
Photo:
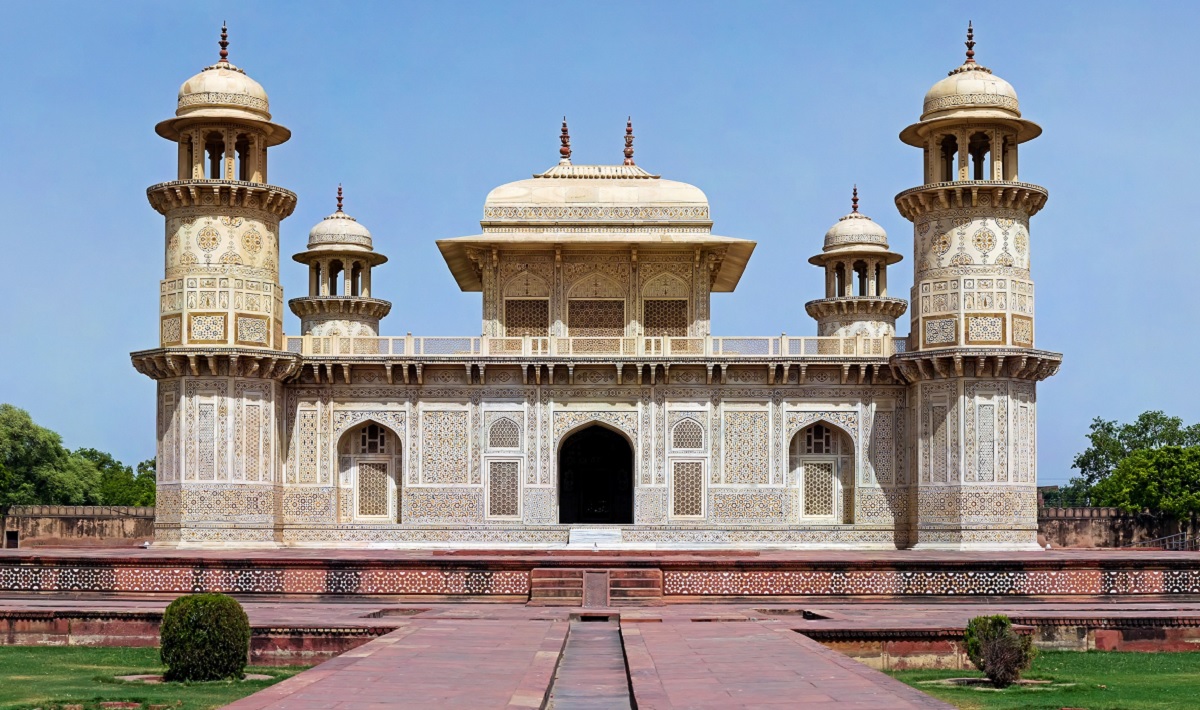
[
  {"x": 504, "y": 434},
  {"x": 596, "y": 318},
  {"x": 687, "y": 489},
  {"x": 526, "y": 316},
  {"x": 372, "y": 439},
  {"x": 372, "y": 488},
  {"x": 503, "y": 489},
  {"x": 818, "y": 489},
  {"x": 665, "y": 318},
  {"x": 818, "y": 439},
  {"x": 687, "y": 435}
]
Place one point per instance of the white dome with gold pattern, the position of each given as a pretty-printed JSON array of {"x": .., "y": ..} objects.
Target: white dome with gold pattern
[{"x": 855, "y": 233}]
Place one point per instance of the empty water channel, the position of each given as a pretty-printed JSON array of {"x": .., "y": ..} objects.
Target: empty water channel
[{"x": 592, "y": 671}]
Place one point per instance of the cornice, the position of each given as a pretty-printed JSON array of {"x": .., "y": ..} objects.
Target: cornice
[
  {"x": 340, "y": 305},
  {"x": 168, "y": 196},
  {"x": 967, "y": 194},
  {"x": 165, "y": 363},
  {"x": 947, "y": 363},
  {"x": 856, "y": 306}
]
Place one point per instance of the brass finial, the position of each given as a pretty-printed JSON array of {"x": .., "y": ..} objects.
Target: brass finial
[
  {"x": 629, "y": 141},
  {"x": 854, "y": 201},
  {"x": 339, "y": 209},
  {"x": 224, "y": 44},
  {"x": 970, "y": 43},
  {"x": 565, "y": 150}
]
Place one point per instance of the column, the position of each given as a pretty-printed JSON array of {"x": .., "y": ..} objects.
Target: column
[
  {"x": 313, "y": 279},
  {"x": 964, "y": 156},
  {"x": 848, "y": 269},
  {"x": 197, "y": 155},
  {"x": 366, "y": 281},
  {"x": 347, "y": 278},
  {"x": 230, "y": 155},
  {"x": 324, "y": 279},
  {"x": 830, "y": 282},
  {"x": 882, "y": 279}
]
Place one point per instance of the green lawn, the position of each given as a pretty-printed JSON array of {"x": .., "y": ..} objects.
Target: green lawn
[
  {"x": 47, "y": 677},
  {"x": 1104, "y": 680}
]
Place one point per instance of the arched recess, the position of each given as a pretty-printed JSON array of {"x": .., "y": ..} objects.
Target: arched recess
[
  {"x": 504, "y": 433},
  {"x": 595, "y": 476},
  {"x": 370, "y": 461},
  {"x": 526, "y": 301},
  {"x": 595, "y": 285},
  {"x": 526, "y": 285},
  {"x": 665, "y": 286},
  {"x": 821, "y": 459},
  {"x": 687, "y": 435}
]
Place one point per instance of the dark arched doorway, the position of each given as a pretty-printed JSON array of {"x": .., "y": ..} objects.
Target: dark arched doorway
[{"x": 595, "y": 478}]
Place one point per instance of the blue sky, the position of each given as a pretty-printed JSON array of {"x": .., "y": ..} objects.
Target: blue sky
[{"x": 774, "y": 109}]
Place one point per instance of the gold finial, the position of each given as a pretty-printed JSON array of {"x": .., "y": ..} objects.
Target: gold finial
[
  {"x": 629, "y": 141},
  {"x": 565, "y": 150},
  {"x": 339, "y": 209},
  {"x": 970, "y": 43},
  {"x": 224, "y": 44},
  {"x": 854, "y": 201}
]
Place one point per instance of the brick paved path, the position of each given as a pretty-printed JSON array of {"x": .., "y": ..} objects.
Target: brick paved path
[
  {"x": 432, "y": 664},
  {"x": 478, "y": 663},
  {"x": 729, "y": 664}
]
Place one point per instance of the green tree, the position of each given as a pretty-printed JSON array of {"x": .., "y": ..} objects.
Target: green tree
[
  {"x": 1113, "y": 442},
  {"x": 1165, "y": 480},
  {"x": 118, "y": 484},
  {"x": 35, "y": 468}
]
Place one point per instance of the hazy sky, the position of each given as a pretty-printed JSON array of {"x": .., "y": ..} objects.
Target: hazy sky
[{"x": 773, "y": 109}]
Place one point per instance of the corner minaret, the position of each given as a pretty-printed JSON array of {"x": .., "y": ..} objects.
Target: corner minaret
[
  {"x": 855, "y": 258},
  {"x": 339, "y": 257},
  {"x": 222, "y": 251},
  {"x": 971, "y": 365},
  {"x": 221, "y": 359}
]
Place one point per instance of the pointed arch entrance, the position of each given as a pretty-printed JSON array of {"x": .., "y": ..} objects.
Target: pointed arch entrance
[{"x": 595, "y": 478}]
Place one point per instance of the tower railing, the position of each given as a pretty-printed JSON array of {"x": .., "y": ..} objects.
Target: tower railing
[{"x": 782, "y": 346}]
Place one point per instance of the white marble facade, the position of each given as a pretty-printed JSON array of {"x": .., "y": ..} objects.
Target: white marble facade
[{"x": 595, "y": 393}]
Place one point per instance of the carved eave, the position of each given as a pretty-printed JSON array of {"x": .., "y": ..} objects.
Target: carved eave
[
  {"x": 945, "y": 363},
  {"x": 168, "y": 196},
  {"x": 724, "y": 257},
  {"x": 164, "y": 363},
  {"x": 962, "y": 194},
  {"x": 335, "y": 369},
  {"x": 352, "y": 306},
  {"x": 857, "y": 306}
]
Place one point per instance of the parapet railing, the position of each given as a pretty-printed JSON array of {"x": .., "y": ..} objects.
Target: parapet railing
[
  {"x": 1178, "y": 541},
  {"x": 552, "y": 346}
]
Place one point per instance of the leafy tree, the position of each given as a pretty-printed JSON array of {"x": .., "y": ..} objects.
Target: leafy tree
[
  {"x": 1113, "y": 442},
  {"x": 35, "y": 468},
  {"x": 118, "y": 484},
  {"x": 1164, "y": 480}
]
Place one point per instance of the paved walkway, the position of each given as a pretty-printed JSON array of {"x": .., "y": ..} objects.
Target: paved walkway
[
  {"x": 509, "y": 664},
  {"x": 430, "y": 664},
  {"x": 727, "y": 664}
]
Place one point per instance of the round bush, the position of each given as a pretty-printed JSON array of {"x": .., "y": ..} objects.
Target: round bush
[
  {"x": 204, "y": 637},
  {"x": 980, "y": 630}
]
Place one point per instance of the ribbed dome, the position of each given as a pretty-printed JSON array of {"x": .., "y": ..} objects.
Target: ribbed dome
[{"x": 223, "y": 91}]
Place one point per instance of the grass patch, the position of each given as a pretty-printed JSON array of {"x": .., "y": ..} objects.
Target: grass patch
[
  {"x": 52, "y": 676},
  {"x": 1097, "y": 680}
]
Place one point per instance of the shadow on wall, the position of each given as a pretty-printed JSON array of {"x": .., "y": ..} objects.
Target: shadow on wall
[{"x": 77, "y": 526}]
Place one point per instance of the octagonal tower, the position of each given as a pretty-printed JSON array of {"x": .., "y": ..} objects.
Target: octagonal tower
[
  {"x": 972, "y": 361},
  {"x": 220, "y": 361}
]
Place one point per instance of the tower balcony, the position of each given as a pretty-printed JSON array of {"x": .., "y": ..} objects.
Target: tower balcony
[
  {"x": 963, "y": 194},
  {"x": 167, "y": 196}
]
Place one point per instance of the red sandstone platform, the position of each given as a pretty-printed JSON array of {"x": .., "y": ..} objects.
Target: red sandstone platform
[{"x": 603, "y": 578}]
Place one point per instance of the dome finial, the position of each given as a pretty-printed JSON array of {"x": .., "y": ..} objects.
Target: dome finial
[
  {"x": 565, "y": 150},
  {"x": 854, "y": 200},
  {"x": 629, "y": 141},
  {"x": 224, "y": 44},
  {"x": 339, "y": 209},
  {"x": 970, "y": 43}
]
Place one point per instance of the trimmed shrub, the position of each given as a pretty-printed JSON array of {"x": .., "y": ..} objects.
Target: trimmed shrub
[
  {"x": 999, "y": 652},
  {"x": 204, "y": 637}
]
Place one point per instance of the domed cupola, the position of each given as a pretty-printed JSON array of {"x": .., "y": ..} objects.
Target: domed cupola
[
  {"x": 340, "y": 257},
  {"x": 222, "y": 93},
  {"x": 970, "y": 92},
  {"x": 855, "y": 258}
]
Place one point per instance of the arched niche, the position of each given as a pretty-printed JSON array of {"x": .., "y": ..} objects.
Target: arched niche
[
  {"x": 370, "y": 457},
  {"x": 595, "y": 476},
  {"x": 665, "y": 286},
  {"x": 822, "y": 464}
]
